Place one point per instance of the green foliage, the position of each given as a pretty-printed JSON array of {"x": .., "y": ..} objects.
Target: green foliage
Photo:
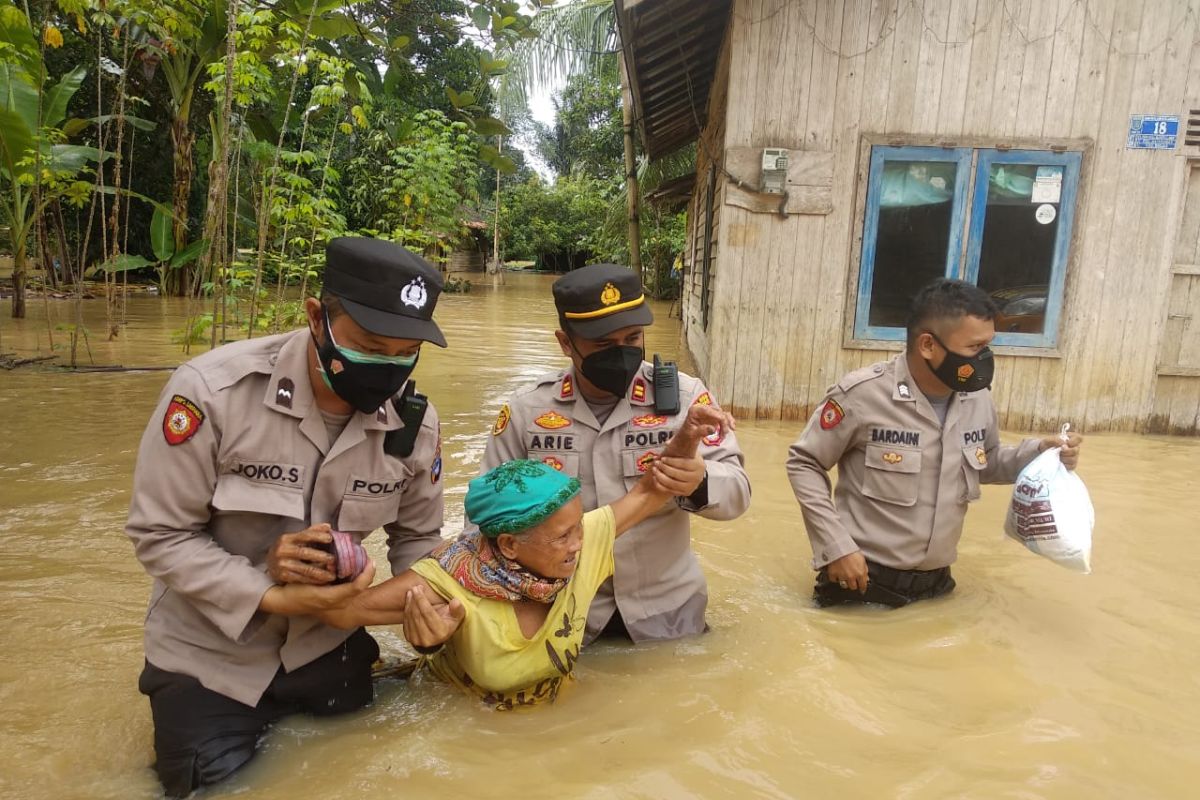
[
  {"x": 415, "y": 189},
  {"x": 587, "y": 135},
  {"x": 560, "y": 223}
]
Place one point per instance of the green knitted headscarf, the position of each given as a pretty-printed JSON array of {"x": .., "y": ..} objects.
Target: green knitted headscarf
[{"x": 517, "y": 495}]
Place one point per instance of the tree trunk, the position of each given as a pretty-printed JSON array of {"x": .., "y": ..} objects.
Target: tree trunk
[
  {"x": 18, "y": 278},
  {"x": 182, "y": 140},
  {"x": 632, "y": 195}
]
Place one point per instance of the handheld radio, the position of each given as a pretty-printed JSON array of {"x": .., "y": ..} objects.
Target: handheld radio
[
  {"x": 666, "y": 387},
  {"x": 411, "y": 406}
]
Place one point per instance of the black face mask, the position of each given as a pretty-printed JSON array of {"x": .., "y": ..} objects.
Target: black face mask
[
  {"x": 964, "y": 373},
  {"x": 613, "y": 368},
  {"x": 366, "y": 386}
]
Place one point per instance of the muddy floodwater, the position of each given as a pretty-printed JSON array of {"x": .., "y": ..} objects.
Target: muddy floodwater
[{"x": 1027, "y": 682}]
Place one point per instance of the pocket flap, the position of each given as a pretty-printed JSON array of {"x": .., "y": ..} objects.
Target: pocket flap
[
  {"x": 237, "y": 493},
  {"x": 361, "y": 514},
  {"x": 975, "y": 456},
  {"x": 893, "y": 459}
]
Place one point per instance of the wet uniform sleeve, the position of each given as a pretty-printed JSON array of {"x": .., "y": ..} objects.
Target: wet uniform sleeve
[
  {"x": 810, "y": 458},
  {"x": 1005, "y": 461},
  {"x": 169, "y": 513},
  {"x": 725, "y": 493},
  {"x": 418, "y": 526}
]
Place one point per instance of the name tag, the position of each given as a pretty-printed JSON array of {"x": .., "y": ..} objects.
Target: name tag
[
  {"x": 888, "y": 436},
  {"x": 375, "y": 487},
  {"x": 270, "y": 472}
]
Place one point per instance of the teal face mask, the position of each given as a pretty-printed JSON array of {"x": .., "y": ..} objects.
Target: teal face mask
[{"x": 364, "y": 380}]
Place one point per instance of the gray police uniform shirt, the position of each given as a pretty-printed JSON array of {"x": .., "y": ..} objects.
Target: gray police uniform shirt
[
  {"x": 235, "y": 455},
  {"x": 658, "y": 584},
  {"x": 905, "y": 479}
]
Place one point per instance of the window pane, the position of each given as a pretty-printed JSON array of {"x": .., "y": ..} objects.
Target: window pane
[
  {"x": 1020, "y": 227},
  {"x": 916, "y": 210}
]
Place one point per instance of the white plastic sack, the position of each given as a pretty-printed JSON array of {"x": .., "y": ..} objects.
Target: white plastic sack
[{"x": 1051, "y": 513}]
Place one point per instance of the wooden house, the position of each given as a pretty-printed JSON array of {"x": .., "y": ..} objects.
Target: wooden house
[{"x": 1047, "y": 150}]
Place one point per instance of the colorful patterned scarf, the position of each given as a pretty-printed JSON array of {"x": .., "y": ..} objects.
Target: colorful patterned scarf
[{"x": 481, "y": 569}]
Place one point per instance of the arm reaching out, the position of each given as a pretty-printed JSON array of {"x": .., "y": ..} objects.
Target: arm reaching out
[{"x": 648, "y": 494}]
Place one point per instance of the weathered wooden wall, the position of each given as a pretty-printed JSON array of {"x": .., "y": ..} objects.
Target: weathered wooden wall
[
  {"x": 822, "y": 74},
  {"x": 709, "y": 154}
]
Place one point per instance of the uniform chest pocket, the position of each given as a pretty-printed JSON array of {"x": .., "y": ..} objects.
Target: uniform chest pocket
[
  {"x": 235, "y": 493},
  {"x": 892, "y": 474},
  {"x": 371, "y": 502},
  {"x": 974, "y": 462}
]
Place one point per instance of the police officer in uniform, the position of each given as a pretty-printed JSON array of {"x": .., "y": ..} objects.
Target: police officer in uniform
[
  {"x": 282, "y": 438},
  {"x": 603, "y": 420},
  {"x": 913, "y": 438}
]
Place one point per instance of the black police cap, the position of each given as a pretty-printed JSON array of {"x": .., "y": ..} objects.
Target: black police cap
[
  {"x": 386, "y": 289},
  {"x": 596, "y": 300}
]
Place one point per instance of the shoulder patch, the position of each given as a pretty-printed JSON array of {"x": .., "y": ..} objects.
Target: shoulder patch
[
  {"x": 181, "y": 420},
  {"x": 704, "y": 399},
  {"x": 831, "y": 415},
  {"x": 567, "y": 391},
  {"x": 502, "y": 420}
]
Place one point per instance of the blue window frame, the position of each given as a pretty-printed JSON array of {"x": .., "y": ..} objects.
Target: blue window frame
[{"x": 1001, "y": 219}]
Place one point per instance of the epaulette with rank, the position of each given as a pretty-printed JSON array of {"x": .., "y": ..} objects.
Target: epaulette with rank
[
  {"x": 225, "y": 366},
  {"x": 860, "y": 376}
]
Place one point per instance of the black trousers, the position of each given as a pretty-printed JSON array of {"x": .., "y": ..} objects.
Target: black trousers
[
  {"x": 202, "y": 737},
  {"x": 887, "y": 586}
]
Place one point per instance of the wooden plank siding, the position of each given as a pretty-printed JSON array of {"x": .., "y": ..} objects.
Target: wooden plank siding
[{"x": 833, "y": 76}]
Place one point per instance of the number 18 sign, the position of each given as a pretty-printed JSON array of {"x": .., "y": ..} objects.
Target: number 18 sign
[{"x": 1152, "y": 132}]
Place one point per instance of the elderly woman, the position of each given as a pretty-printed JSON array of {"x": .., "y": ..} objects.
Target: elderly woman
[{"x": 511, "y": 599}]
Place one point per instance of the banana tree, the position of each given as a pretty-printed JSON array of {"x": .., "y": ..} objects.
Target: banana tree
[
  {"x": 166, "y": 258},
  {"x": 36, "y": 164}
]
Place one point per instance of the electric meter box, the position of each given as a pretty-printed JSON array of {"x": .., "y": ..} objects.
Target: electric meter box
[{"x": 774, "y": 170}]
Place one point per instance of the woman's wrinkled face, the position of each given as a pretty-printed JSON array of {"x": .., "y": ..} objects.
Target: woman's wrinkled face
[{"x": 550, "y": 549}]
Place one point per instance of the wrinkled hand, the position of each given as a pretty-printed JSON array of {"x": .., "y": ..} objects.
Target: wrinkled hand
[
  {"x": 427, "y": 624},
  {"x": 702, "y": 420},
  {"x": 293, "y": 559},
  {"x": 678, "y": 476},
  {"x": 849, "y": 572},
  {"x": 1069, "y": 455},
  {"x": 331, "y": 604}
]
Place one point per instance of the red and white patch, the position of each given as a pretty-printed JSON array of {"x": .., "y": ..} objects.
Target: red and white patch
[
  {"x": 714, "y": 439},
  {"x": 831, "y": 415},
  {"x": 551, "y": 461},
  {"x": 182, "y": 420},
  {"x": 649, "y": 421}
]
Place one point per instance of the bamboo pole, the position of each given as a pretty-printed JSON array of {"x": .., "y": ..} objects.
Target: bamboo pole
[{"x": 632, "y": 195}]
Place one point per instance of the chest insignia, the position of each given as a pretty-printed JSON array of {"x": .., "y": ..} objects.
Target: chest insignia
[
  {"x": 552, "y": 421},
  {"x": 649, "y": 421},
  {"x": 645, "y": 461},
  {"x": 553, "y": 462},
  {"x": 981, "y": 456},
  {"x": 893, "y": 458}
]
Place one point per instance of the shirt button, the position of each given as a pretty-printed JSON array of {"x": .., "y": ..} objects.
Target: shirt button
[{"x": 272, "y": 360}]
